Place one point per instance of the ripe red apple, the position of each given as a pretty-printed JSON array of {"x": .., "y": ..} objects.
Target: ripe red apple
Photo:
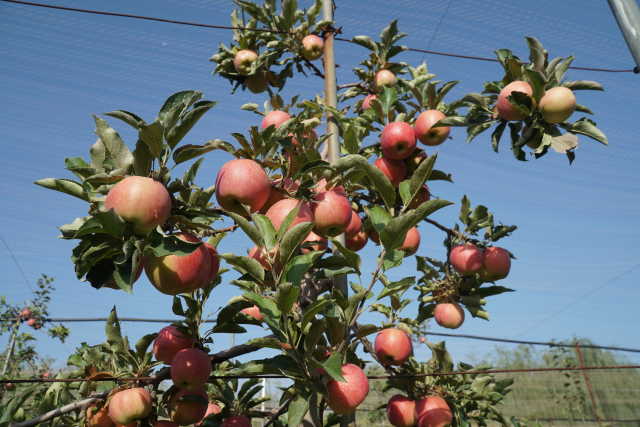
[
  {"x": 557, "y": 104},
  {"x": 331, "y": 213},
  {"x": 466, "y": 259},
  {"x": 175, "y": 274},
  {"x": 366, "y": 102},
  {"x": 506, "y": 110},
  {"x": 411, "y": 242},
  {"x": 25, "y": 313},
  {"x": 257, "y": 82},
  {"x": 188, "y": 407},
  {"x": 98, "y": 417},
  {"x": 141, "y": 201},
  {"x": 253, "y": 312},
  {"x": 215, "y": 262},
  {"x": 165, "y": 423},
  {"x": 433, "y": 411},
  {"x": 357, "y": 241},
  {"x": 190, "y": 369},
  {"x": 424, "y": 131},
  {"x": 169, "y": 341},
  {"x": 393, "y": 346},
  {"x": 344, "y": 397},
  {"x": 315, "y": 243},
  {"x": 243, "y": 60},
  {"x": 32, "y": 322},
  {"x": 212, "y": 409},
  {"x": 355, "y": 225},
  {"x": 275, "y": 118},
  {"x": 312, "y": 46},
  {"x": 130, "y": 405},
  {"x": 398, "y": 140},
  {"x": 449, "y": 315},
  {"x": 496, "y": 263},
  {"x": 395, "y": 170},
  {"x": 385, "y": 78},
  {"x": 423, "y": 340},
  {"x": 236, "y": 421},
  {"x": 242, "y": 182},
  {"x": 401, "y": 411},
  {"x": 279, "y": 211},
  {"x": 424, "y": 195}
]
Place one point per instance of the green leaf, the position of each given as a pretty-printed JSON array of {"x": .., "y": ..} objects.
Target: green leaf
[
  {"x": 537, "y": 81},
  {"x": 143, "y": 344},
  {"x": 289, "y": 8},
  {"x": 350, "y": 138},
  {"x": 187, "y": 121},
  {"x": 496, "y": 135},
  {"x": 365, "y": 42},
  {"x": 266, "y": 231},
  {"x": 392, "y": 259},
  {"x": 287, "y": 295},
  {"x": 161, "y": 245},
  {"x": 292, "y": 240},
  {"x": 395, "y": 231},
  {"x": 492, "y": 290},
  {"x": 190, "y": 151},
  {"x": 174, "y": 105},
  {"x": 351, "y": 258},
  {"x": 451, "y": 121},
  {"x": 313, "y": 309},
  {"x": 142, "y": 159},
  {"x": 421, "y": 174},
  {"x": 379, "y": 218},
  {"x": 396, "y": 287},
  {"x": 380, "y": 182},
  {"x": 102, "y": 223},
  {"x": 66, "y": 186},
  {"x": 298, "y": 266},
  {"x": 151, "y": 135},
  {"x": 583, "y": 85},
  {"x": 127, "y": 117},
  {"x": 245, "y": 265},
  {"x": 588, "y": 127},
  {"x": 297, "y": 410},
  {"x": 117, "y": 155},
  {"x": 333, "y": 366},
  {"x": 113, "y": 332},
  {"x": 249, "y": 229},
  {"x": 537, "y": 53}
]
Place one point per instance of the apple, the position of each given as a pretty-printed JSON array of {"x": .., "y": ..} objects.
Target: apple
[
  {"x": 280, "y": 189},
  {"x": 422, "y": 340},
  {"x": 212, "y": 409},
  {"x": 331, "y": 213},
  {"x": 314, "y": 242},
  {"x": 215, "y": 262},
  {"x": 433, "y": 411},
  {"x": 257, "y": 82},
  {"x": 423, "y": 195},
  {"x": 130, "y": 405},
  {"x": 32, "y": 322},
  {"x": 466, "y": 259},
  {"x": 279, "y": 211},
  {"x": 98, "y": 417},
  {"x": 411, "y": 242},
  {"x": 401, "y": 411},
  {"x": 169, "y": 341},
  {"x": 449, "y": 315},
  {"x": 344, "y": 397},
  {"x": 496, "y": 263},
  {"x": 243, "y": 60},
  {"x": 557, "y": 104},
  {"x": 190, "y": 369},
  {"x": 355, "y": 224},
  {"x": 395, "y": 170},
  {"x": 366, "y": 102},
  {"x": 424, "y": 131},
  {"x": 242, "y": 182},
  {"x": 357, "y": 241},
  {"x": 393, "y": 346},
  {"x": 236, "y": 421},
  {"x": 506, "y": 110},
  {"x": 312, "y": 47},
  {"x": 142, "y": 201},
  {"x": 275, "y": 118},
  {"x": 385, "y": 78},
  {"x": 398, "y": 140},
  {"x": 188, "y": 407},
  {"x": 253, "y": 312},
  {"x": 37, "y": 325},
  {"x": 176, "y": 274},
  {"x": 26, "y": 313}
]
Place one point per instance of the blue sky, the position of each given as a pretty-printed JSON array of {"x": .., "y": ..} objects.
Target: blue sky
[{"x": 578, "y": 257}]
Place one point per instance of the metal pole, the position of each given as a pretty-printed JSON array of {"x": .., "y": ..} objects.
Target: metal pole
[
  {"x": 627, "y": 14},
  {"x": 11, "y": 346}
]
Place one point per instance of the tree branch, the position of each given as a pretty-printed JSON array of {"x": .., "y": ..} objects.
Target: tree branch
[{"x": 81, "y": 404}]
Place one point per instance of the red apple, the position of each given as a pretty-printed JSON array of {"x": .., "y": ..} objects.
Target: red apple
[
  {"x": 385, "y": 78},
  {"x": 190, "y": 369},
  {"x": 393, "y": 346},
  {"x": 366, "y": 102},
  {"x": 424, "y": 131},
  {"x": 395, "y": 170},
  {"x": 315, "y": 243},
  {"x": 356, "y": 241},
  {"x": 243, "y": 60},
  {"x": 424, "y": 195},
  {"x": 355, "y": 225},
  {"x": 411, "y": 242},
  {"x": 242, "y": 182},
  {"x": 279, "y": 211},
  {"x": 236, "y": 421},
  {"x": 275, "y": 118},
  {"x": 169, "y": 341},
  {"x": 401, "y": 411},
  {"x": 506, "y": 110},
  {"x": 212, "y": 409},
  {"x": 188, "y": 407},
  {"x": 433, "y": 411},
  {"x": 557, "y": 104},
  {"x": 466, "y": 259},
  {"x": 423, "y": 340},
  {"x": 496, "y": 263},
  {"x": 253, "y": 312},
  {"x": 98, "y": 417},
  {"x": 141, "y": 201},
  {"x": 312, "y": 47},
  {"x": 344, "y": 397},
  {"x": 449, "y": 315},
  {"x": 130, "y": 405},
  {"x": 32, "y": 322},
  {"x": 398, "y": 140},
  {"x": 215, "y": 262},
  {"x": 331, "y": 213},
  {"x": 25, "y": 313},
  {"x": 175, "y": 274}
]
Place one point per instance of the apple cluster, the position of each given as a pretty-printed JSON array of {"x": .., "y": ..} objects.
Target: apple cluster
[{"x": 556, "y": 104}]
